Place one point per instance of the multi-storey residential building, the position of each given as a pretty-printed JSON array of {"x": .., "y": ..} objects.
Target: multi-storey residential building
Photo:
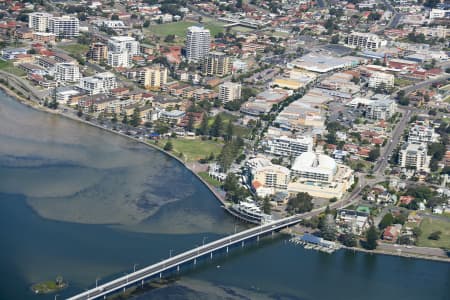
[
  {"x": 67, "y": 72},
  {"x": 38, "y": 21},
  {"x": 99, "y": 83},
  {"x": 198, "y": 40},
  {"x": 119, "y": 44},
  {"x": 378, "y": 79},
  {"x": 217, "y": 63},
  {"x": 414, "y": 156},
  {"x": 422, "y": 134},
  {"x": 98, "y": 52},
  {"x": 153, "y": 77},
  {"x": 381, "y": 109},
  {"x": 229, "y": 91},
  {"x": 289, "y": 147},
  {"x": 265, "y": 177},
  {"x": 119, "y": 59},
  {"x": 365, "y": 40},
  {"x": 65, "y": 26}
]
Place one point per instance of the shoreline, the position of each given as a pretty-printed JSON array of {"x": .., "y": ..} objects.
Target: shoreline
[
  {"x": 212, "y": 189},
  {"x": 34, "y": 105},
  {"x": 398, "y": 254}
]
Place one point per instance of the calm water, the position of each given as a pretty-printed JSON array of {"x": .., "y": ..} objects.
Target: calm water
[{"x": 86, "y": 204}]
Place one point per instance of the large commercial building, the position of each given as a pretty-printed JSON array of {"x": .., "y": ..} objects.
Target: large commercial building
[
  {"x": 229, "y": 91},
  {"x": 153, "y": 77},
  {"x": 98, "y": 52},
  {"x": 414, "y": 156},
  {"x": 217, "y": 63},
  {"x": 289, "y": 147},
  {"x": 38, "y": 21},
  {"x": 198, "y": 42},
  {"x": 365, "y": 40},
  {"x": 99, "y": 83},
  {"x": 65, "y": 26},
  {"x": 320, "y": 176},
  {"x": 67, "y": 72}
]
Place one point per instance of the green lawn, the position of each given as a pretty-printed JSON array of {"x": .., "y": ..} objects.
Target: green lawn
[
  {"x": 75, "y": 49},
  {"x": 209, "y": 179},
  {"x": 226, "y": 118},
  {"x": 10, "y": 68},
  {"x": 429, "y": 225},
  {"x": 179, "y": 28},
  {"x": 195, "y": 149}
]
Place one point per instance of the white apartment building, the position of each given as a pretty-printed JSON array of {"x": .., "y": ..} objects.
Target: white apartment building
[
  {"x": 99, "y": 83},
  {"x": 437, "y": 13},
  {"x": 229, "y": 91},
  {"x": 38, "y": 21},
  {"x": 422, "y": 134},
  {"x": 119, "y": 59},
  {"x": 67, "y": 72},
  {"x": 153, "y": 77},
  {"x": 198, "y": 42},
  {"x": 65, "y": 26},
  {"x": 365, "y": 40},
  {"x": 381, "y": 109},
  {"x": 119, "y": 44},
  {"x": 378, "y": 79},
  {"x": 265, "y": 177},
  {"x": 289, "y": 147},
  {"x": 414, "y": 156}
]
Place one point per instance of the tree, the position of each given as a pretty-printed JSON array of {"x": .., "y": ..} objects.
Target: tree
[
  {"x": 335, "y": 39},
  {"x": 387, "y": 220},
  {"x": 371, "y": 238},
  {"x": 229, "y": 132},
  {"x": 435, "y": 235},
  {"x": 79, "y": 113},
  {"x": 125, "y": 119},
  {"x": 168, "y": 146},
  {"x": 169, "y": 38},
  {"x": 328, "y": 229},
  {"x": 301, "y": 203},
  {"x": 146, "y": 24},
  {"x": 348, "y": 239},
  {"x": 266, "y": 206},
  {"x": 374, "y": 154},
  {"x": 114, "y": 118},
  {"x": 203, "y": 130},
  {"x": 114, "y": 17},
  {"x": 216, "y": 127},
  {"x": 136, "y": 117},
  {"x": 190, "y": 124}
]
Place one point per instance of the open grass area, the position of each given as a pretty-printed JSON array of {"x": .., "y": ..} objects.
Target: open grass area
[
  {"x": 10, "y": 68},
  {"x": 209, "y": 179},
  {"x": 75, "y": 49},
  {"x": 400, "y": 82},
  {"x": 429, "y": 225},
  {"x": 227, "y": 118},
  {"x": 179, "y": 28},
  {"x": 195, "y": 149}
]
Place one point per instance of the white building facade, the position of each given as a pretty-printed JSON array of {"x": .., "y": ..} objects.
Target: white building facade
[
  {"x": 198, "y": 43},
  {"x": 229, "y": 91}
]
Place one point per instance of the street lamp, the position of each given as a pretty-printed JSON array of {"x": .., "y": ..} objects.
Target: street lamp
[
  {"x": 126, "y": 275},
  {"x": 204, "y": 238},
  {"x": 134, "y": 267},
  {"x": 170, "y": 253},
  {"x": 96, "y": 281}
]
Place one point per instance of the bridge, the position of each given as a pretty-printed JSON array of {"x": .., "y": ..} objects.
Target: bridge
[{"x": 138, "y": 277}]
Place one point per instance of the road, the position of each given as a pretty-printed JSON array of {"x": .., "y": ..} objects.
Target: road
[
  {"x": 411, "y": 250},
  {"x": 383, "y": 160}
]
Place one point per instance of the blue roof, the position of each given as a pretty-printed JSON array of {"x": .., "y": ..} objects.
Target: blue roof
[{"x": 309, "y": 238}]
